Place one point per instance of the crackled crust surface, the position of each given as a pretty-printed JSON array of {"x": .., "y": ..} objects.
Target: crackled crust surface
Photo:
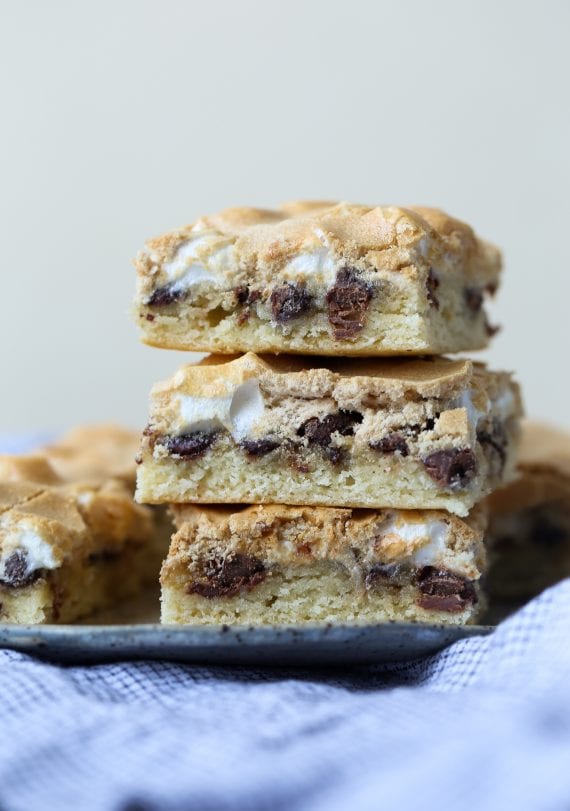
[
  {"x": 272, "y": 563},
  {"x": 69, "y": 547},
  {"x": 308, "y": 277},
  {"x": 529, "y": 532},
  {"x": 399, "y": 433}
]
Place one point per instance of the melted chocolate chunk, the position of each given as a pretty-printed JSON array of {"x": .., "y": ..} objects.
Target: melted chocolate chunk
[
  {"x": 347, "y": 303},
  {"x": 392, "y": 574},
  {"x": 245, "y": 295},
  {"x": 163, "y": 296},
  {"x": 391, "y": 443},
  {"x": 227, "y": 577},
  {"x": 242, "y": 294},
  {"x": 443, "y": 590},
  {"x": 289, "y": 301},
  {"x": 473, "y": 298},
  {"x": 319, "y": 431},
  {"x": 259, "y": 447},
  {"x": 190, "y": 446},
  {"x": 16, "y": 572},
  {"x": 452, "y": 468},
  {"x": 432, "y": 283}
]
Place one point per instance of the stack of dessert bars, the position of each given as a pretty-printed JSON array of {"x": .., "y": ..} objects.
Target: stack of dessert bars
[{"x": 328, "y": 463}]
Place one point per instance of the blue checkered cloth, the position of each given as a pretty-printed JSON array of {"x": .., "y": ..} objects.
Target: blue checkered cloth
[{"x": 483, "y": 725}]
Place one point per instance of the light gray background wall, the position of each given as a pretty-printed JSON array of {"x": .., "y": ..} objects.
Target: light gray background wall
[{"x": 124, "y": 119}]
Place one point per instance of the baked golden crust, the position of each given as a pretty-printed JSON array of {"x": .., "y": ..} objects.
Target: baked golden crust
[
  {"x": 385, "y": 237},
  {"x": 291, "y": 534},
  {"x": 386, "y": 380},
  {"x": 361, "y": 384}
]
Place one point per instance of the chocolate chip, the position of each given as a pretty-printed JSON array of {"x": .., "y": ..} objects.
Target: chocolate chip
[
  {"x": 319, "y": 431},
  {"x": 347, "y": 303},
  {"x": 432, "y": 283},
  {"x": 473, "y": 298},
  {"x": 149, "y": 317},
  {"x": 391, "y": 443},
  {"x": 393, "y": 574},
  {"x": 226, "y": 577},
  {"x": 289, "y": 301},
  {"x": 259, "y": 447},
  {"x": 443, "y": 590},
  {"x": 190, "y": 446},
  {"x": 335, "y": 455},
  {"x": 242, "y": 294},
  {"x": 491, "y": 329},
  {"x": 16, "y": 572},
  {"x": 163, "y": 296},
  {"x": 245, "y": 295},
  {"x": 451, "y": 468}
]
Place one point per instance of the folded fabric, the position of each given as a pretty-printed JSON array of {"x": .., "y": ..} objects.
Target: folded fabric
[{"x": 483, "y": 725}]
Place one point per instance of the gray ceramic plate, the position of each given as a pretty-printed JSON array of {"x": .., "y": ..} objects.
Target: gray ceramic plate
[{"x": 140, "y": 637}]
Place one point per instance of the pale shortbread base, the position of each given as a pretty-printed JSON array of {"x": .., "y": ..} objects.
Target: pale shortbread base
[
  {"x": 393, "y": 326},
  {"x": 224, "y": 475},
  {"x": 320, "y": 593}
]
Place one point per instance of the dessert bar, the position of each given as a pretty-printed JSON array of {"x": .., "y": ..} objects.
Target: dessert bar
[
  {"x": 318, "y": 278},
  {"x": 417, "y": 434}
]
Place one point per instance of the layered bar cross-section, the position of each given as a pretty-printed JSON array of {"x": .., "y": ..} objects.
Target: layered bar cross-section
[
  {"x": 416, "y": 434},
  {"x": 291, "y": 565},
  {"x": 318, "y": 278}
]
